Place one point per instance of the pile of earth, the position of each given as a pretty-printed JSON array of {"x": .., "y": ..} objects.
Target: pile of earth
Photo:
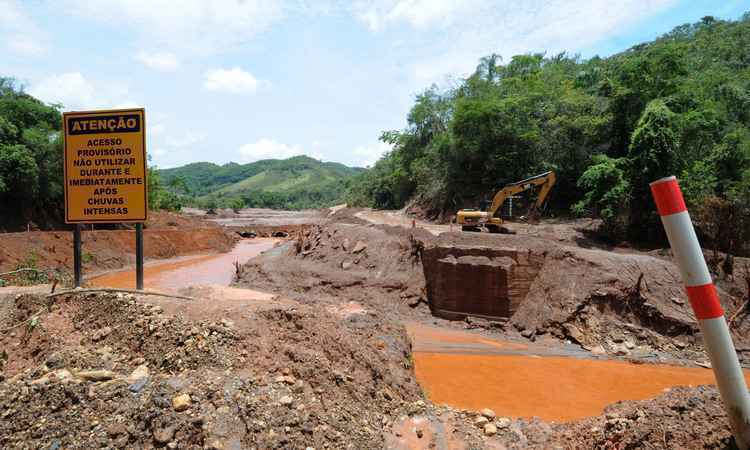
[
  {"x": 376, "y": 266},
  {"x": 106, "y": 370},
  {"x": 620, "y": 303},
  {"x": 107, "y": 249},
  {"x": 680, "y": 418},
  {"x": 624, "y": 304}
]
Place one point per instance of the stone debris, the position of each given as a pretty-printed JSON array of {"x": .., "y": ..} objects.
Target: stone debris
[
  {"x": 95, "y": 375},
  {"x": 181, "y": 402}
]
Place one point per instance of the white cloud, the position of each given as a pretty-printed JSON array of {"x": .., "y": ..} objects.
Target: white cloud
[
  {"x": 196, "y": 25},
  {"x": 418, "y": 13},
  {"x": 160, "y": 61},
  {"x": 70, "y": 89},
  {"x": 367, "y": 155},
  {"x": 18, "y": 32},
  {"x": 26, "y": 46},
  {"x": 475, "y": 28},
  {"x": 156, "y": 129},
  {"x": 233, "y": 81},
  {"x": 74, "y": 91},
  {"x": 186, "y": 140},
  {"x": 266, "y": 148}
]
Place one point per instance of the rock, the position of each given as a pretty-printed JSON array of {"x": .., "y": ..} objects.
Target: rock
[
  {"x": 359, "y": 246},
  {"x": 164, "y": 435},
  {"x": 288, "y": 379},
  {"x": 680, "y": 344},
  {"x": 573, "y": 332},
  {"x": 286, "y": 400},
  {"x": 101, "y": 334},
  {"x": 420, "y": 433},
  {"x": 138, "y": 378},
  {"x": 598, "y": 350},
  {"x": 527, "y": 333},
  {"x": 95, "y": 375},
  {"x": 299, "y": 387},
  {"x": 488, "y": 413},
  {"x": 117, "y": 429},
  {"x": 490, "y": 429},
  {"x": 621, "y": 350},
  {"x": 481, "y": 421},
  {"x": 414, "y": 302},
  {"x": 502, "y": 422},
  {"x": 181, "y": 402},
  {"x": 629, "y": 345},
  {"x": 139, "y": 372},
  {"x": 346, "y": 265},
  {"x": 61, "y": 375},
  {"x": 678, "y": 301},
  {"x": 216, "y": 444},
  {"x": 346, "y": 244}
]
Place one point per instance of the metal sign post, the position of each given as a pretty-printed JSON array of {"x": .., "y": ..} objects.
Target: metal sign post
[
  {"x": 139, "y": 256},
  {"x": 77, "y": 254}
]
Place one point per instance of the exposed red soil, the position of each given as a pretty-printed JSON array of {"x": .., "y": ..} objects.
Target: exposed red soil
[{"x": 106, "y": 249}]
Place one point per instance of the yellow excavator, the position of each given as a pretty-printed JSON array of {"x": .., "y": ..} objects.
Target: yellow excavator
[{"x": 475, "y": 220}]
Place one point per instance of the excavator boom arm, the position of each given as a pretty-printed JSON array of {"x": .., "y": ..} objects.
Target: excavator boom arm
[{"x": 545, "y": 180}]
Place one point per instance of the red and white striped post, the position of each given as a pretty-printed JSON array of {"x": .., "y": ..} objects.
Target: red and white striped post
[{"x": 705, "y": 302}]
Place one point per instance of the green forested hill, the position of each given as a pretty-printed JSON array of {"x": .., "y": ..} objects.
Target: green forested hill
[
  {"x": 297, "y": 182},
  {"x": 678, "y": 105}
]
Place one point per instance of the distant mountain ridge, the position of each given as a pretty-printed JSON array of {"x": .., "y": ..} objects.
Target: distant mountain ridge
[{"x": 293, "y": 183}]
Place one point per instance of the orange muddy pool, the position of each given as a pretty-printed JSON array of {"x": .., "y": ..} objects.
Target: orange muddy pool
[
  {"x": 173, "y": 275},
  {"x": 553, "y": 388}
]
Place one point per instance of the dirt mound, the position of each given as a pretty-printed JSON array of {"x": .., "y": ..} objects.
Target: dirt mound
[
  {"x": 377, "y": 266},
  {"x": 106, "y": 249},
  {"x": 681, "y": 418},
  {"x": 617, "y": 303},
  {"x": 109, "y": 370}
]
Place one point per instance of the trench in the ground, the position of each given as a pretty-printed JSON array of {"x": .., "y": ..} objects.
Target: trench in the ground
[{"x": 178, "y": 273}]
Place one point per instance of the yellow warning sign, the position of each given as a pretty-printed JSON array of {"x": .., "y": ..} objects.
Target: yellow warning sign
[{"x": 105, "y": 166}]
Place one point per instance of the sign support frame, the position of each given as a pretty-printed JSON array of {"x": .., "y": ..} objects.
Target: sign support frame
[
  {"x": 77, "y": 254},
  {"x": 139, "y": 256},
  {"x": 108, "y": 122}
]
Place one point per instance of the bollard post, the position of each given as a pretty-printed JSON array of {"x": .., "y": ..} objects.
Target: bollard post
[{"x": 705, "y": 303}]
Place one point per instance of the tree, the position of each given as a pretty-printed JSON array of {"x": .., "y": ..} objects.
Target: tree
[
  {"x": 651, "y": 154},
  {"x": 607, "y": 190}
]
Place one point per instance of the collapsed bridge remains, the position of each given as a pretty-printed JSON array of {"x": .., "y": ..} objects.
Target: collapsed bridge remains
[{"x": 478, "y": 281}]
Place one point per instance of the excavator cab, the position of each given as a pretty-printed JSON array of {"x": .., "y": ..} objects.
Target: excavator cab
[{"x": 473, "y": 220}]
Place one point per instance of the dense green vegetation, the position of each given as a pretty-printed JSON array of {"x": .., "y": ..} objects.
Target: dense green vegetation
[
  {"x": 295, "y": 183},
  {"x": 31, "y": 163},
  {"x": 30, "y": 158},
  {"x": 608, "y": 126}
]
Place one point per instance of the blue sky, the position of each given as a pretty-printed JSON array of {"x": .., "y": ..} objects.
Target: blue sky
[{"x": 242, "y": 80}]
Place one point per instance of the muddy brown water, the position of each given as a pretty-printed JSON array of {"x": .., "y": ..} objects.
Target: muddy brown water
[
  {"x": 516, "y": 379},
  {"x": 178, "y": 273}
]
